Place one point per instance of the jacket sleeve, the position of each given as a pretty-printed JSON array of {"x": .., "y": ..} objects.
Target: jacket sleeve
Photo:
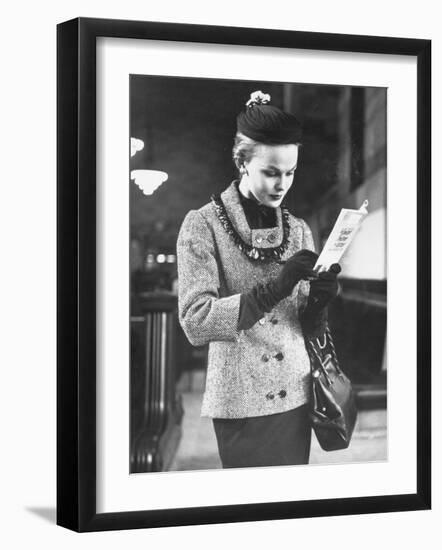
[{"x": 203, "y": 315}]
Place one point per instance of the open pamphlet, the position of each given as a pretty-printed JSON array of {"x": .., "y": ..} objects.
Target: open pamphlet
[{"x": 344, "y": 230}]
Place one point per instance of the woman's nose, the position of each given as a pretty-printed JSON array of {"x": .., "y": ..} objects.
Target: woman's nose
[
  {"x": 282, "y": 183},
  {"x": 279, "y": 183}
]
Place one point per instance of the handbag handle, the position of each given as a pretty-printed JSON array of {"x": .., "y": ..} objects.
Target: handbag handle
[
  {"x": 325, "y": 341},
  {"x": 319, "y": 360},
  {"x": 327, "y": 336},
  {"x": 332, "y": 349}
]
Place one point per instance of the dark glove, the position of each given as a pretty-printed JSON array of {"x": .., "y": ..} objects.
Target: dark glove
[
  {"x": 324, "y": 288},
  {"x": 299, "y": 266},
  {"x": 263, "y": 297}
]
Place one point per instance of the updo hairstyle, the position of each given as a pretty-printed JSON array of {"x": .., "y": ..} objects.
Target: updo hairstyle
[{"x": 262, "y": 124}]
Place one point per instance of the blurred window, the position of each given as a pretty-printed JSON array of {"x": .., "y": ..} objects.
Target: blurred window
[{"x": 357, "y": 106}]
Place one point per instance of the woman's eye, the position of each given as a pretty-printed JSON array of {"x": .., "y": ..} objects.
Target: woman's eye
[{"x": 270, "y": 174}]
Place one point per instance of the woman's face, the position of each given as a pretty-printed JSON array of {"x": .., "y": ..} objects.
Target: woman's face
[{"x": 270, "y": 172}]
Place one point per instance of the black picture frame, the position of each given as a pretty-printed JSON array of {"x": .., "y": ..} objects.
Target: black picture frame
[{"x": 76, "y": 273}]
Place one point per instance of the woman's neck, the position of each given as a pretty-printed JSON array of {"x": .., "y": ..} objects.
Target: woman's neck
[{"x": 245, "y": 191}]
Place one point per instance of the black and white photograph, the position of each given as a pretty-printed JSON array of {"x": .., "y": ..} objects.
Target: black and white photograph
[{"x": 258, "y": 274}]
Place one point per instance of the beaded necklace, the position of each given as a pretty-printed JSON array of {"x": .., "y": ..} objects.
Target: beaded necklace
[{"x": 252, "y": 252}]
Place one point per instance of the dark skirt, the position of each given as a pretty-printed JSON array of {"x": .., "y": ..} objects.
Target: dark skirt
[{"x": 274, "y": 440}]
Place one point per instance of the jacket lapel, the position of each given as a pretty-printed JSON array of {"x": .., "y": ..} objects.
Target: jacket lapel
[{"x": 259, "y": 238}]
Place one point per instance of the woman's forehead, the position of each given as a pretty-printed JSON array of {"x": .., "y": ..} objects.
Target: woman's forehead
[{"x": 277, "y": 155}]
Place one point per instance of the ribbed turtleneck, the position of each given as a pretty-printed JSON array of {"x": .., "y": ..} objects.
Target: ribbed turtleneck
[{"x": 258, "y": 215}]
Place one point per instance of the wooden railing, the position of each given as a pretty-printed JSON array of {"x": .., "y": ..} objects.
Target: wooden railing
[{"x": 156, "y": 410}]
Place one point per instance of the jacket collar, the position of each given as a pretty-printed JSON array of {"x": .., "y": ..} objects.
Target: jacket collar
[{"x": 259, "y": 238}]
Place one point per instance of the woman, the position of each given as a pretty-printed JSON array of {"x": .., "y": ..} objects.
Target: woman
[{"x": 244, "y": 265}]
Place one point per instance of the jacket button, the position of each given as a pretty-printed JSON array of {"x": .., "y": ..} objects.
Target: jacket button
[
  {"x": 258, "y": 239},
  {"x": 265, "y": 358},
  {"x": 271, "y": 238},
  {"x": 279, "y": 356},
  {"x": 270, "y": 395},
  {"x": 274, "y": 321},
  {"x": 282, "y": 394},
  {"x": 262, "y": 321}
]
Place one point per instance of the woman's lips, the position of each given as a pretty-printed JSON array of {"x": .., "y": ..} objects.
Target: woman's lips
[{"x": 276, "y": 197}]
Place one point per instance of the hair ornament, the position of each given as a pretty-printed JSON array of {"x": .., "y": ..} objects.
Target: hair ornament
[{"x": 258, "y": 98}]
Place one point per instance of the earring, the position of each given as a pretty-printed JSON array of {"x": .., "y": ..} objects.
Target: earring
[{"x": 243, "y": 170}]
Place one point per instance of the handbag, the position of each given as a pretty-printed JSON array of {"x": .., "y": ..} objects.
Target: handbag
[{"x": 333, "y": 409}]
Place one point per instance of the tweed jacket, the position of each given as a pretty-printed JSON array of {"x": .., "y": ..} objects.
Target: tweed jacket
[{"x": 262, "y": 370}]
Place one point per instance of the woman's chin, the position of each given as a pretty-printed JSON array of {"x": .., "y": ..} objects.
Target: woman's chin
[{"x": 273, "y": 201}]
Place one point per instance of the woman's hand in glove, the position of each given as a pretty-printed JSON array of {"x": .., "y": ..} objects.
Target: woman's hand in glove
[
  {"x": 325, "y": 287},
  {"x": 299, "y": 266}
]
